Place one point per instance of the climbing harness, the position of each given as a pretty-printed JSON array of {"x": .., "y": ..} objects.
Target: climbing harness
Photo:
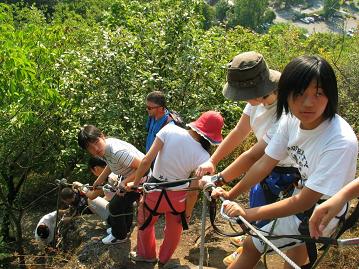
[
  {"x": 304, "y": 236},
  {"x": 154, "y": 184}
]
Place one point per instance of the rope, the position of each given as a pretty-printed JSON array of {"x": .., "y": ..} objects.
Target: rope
[
  {"x": 37, "y": 199},
  {"x": 266, "y": 246},
  {"x": 240, "y": 219},
  {"x": 261, "y": 236},
  {"x": 148, "y": 187}
]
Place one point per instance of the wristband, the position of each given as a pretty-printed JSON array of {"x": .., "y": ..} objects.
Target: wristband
[{"x": 218, "y": 180}]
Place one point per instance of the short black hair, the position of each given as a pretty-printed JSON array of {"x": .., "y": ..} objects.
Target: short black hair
[
  {"x": 88, "y": 134},
  {"x": 66, "y": 193},
  {"x": 95, "y": 161},
  {"x": 297, "y": 76},
  {"x": 157, "y": 97},
  {"x": 43, "y": 231}
]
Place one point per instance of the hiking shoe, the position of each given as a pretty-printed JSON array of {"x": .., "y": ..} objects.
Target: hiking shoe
[
  {"x": 231, "y": 258},
  {"x": 110, "y": 239},
  {"x": 109, "y": 230},
  {"x": 136, "y": 258},
  {"x": 238, "y": 240}
]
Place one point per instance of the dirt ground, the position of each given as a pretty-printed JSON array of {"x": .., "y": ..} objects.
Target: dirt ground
[{"x": 80, "y": 250}]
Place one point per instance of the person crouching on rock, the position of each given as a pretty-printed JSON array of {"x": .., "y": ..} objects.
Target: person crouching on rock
[{"x": 122, "y": 159}]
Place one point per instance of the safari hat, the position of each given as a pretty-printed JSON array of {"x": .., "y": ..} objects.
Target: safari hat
[
  {"x": 209, "y": 125},
  {"x": 249, "y": 77}
]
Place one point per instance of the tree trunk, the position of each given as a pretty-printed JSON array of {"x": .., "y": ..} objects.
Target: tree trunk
[{"x": 19, "y": 240}]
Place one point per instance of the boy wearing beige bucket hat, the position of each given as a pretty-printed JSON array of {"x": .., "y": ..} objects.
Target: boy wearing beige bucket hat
[{"x": 249, "y": 79}]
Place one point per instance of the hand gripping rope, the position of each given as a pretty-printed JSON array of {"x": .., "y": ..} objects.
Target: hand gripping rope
[{"x": 240, "y": 220}]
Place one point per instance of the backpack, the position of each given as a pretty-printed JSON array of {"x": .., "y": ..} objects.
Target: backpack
[{"x": 177, "y": 119}]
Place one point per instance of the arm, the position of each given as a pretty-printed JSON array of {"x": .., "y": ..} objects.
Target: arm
[
  {"x": 300, "y": 202},
  {"x": 191, "y": 198},
  {"x": 94, "y": 194},
  {"x": 102, "y": 177},
  {"x": 89, "y": 194},
  {"x": 135, "y": 164},
  {"x": 330, "y": 208},
  {"x": 233, "y": 139},
  {"x": 255, "y": 174},
  {"x": 244, "y": 161},
  {"x": 146, "y": 161}
]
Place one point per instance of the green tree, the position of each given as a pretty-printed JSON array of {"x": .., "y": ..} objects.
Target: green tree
[
  {"x": 95, "y": 64},
  {"x": 330, "y": 7},
  {"x": 249, "y": 13},
  {"x": 221, "y": 9}
]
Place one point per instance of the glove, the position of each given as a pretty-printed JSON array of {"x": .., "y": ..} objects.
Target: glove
[
  {"x": 85, "y": 188},
  {"x": 112, "y": 179},
  {"x": 77, "y": 185},
  {"x": 108, "y": 188}
]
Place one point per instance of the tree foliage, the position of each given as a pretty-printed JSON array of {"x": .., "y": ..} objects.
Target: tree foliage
[
  {"x": 249, "y": 13},
  {"x": 330, "y": 7},
  {"x": 95, "y": 61}
]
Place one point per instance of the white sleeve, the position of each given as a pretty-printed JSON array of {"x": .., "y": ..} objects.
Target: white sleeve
[
  {"x": 271, "y": 131},
  {"x": 162, "y": 134},
  {"x": 247, "y": 109},
  {"x": 203, "y": 157},
  {"x": 277, "y": 146},
  {"x": 336, "y": 167}
]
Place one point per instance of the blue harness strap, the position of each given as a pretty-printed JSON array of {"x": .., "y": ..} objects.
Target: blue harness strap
[{"x": 280, "y": 180}]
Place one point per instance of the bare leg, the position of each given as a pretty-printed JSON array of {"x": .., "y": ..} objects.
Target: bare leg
[
  {"x": 249, "y": 256},
  {"x": 298, "y": 255}
]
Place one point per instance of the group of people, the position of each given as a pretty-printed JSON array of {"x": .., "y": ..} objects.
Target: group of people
[{"x": 305, "y": 153}]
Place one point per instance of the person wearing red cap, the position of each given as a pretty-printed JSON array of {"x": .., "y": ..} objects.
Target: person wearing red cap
[{"x": 178, "y": 152}]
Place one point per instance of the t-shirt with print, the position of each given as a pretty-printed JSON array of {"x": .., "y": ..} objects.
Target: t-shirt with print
[
  {"x": 264, "y": 124},
  {"x": 119, "y": 156},
  {"x": 179, "y": 156},
  {"x": 326, "y": 156},
  {"x": 49, "y": 220}
]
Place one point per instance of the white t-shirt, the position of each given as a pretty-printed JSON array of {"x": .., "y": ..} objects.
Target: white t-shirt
[
  {"x": 119, "y": 156},
  {"x": 326, "y": 156},
  {"x": 179, "y": 156},
  {"x": 264, "y": 124},
  {"x": 49, "y": 220},
  {"x": 261, "y": 118}
]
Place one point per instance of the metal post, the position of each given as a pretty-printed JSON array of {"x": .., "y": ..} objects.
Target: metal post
[
  {"x": 203, "y": 229},
  {"x": 60, "y": 183}
]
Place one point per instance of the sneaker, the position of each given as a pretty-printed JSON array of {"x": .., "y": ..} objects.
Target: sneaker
[
  {"x": 238, "y": 240},
  {"x": 109, "y": 230},
  {"x": 110, "y": 239},
  {"x": 136, "y": 258},
  {"x": 231, "y": 258}
]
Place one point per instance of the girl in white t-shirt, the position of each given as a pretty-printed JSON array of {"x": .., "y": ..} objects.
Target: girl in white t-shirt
[
  {"x": 249, "y": 79},
  {"x": 322, "y": 144},
  {"x": 178, "y": 152}
]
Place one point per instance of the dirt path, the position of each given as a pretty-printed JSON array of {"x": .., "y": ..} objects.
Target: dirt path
[
  {"x": 82, "y": 252},
  {"x": 93, "y": 254}
]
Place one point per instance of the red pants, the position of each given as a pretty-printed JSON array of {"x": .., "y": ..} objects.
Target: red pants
[{"x": 146, "y": 240}]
